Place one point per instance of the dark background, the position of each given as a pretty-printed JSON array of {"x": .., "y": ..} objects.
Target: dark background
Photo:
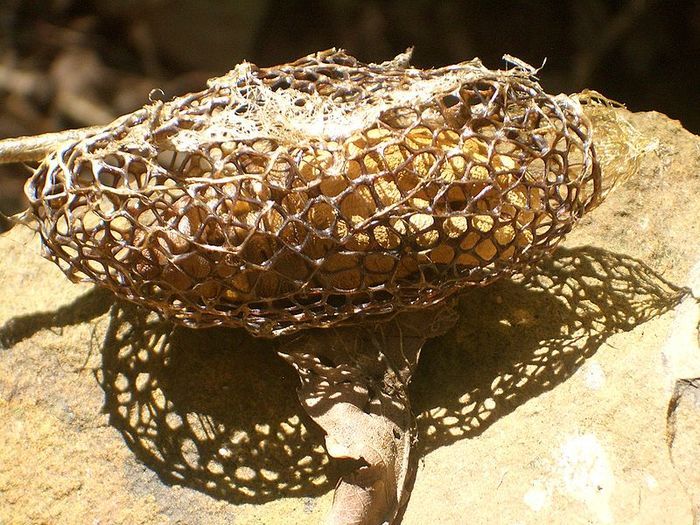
[{"x": 68, "y": 63}]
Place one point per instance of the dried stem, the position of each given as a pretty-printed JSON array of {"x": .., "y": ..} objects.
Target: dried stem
[
  {"x": 354, "y": 385},
  {"x": 36, "y": 147}
]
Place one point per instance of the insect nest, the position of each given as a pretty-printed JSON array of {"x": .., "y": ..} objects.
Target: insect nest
[
  {"x": 327, "y": 192},
  {"x": 317, "y": 192}
]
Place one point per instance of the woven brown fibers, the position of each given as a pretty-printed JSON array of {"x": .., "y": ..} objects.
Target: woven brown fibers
[{"x": 319, "y": 192}]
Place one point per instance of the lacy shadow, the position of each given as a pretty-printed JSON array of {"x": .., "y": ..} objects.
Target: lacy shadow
[
  {"x": 86, "y": 307},
  {"x": 210, "y": 409},
  {"x": 516, "y": 340},
  {"x": 216, "y": 409}
]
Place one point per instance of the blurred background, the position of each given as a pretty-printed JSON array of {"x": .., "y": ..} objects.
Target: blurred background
[{"x": 72, "y": 63}]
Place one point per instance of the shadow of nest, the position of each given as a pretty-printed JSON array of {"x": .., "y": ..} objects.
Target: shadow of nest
[
  {"x": 212, "y": 409},
  {"x": 518, "y": 339},
  {"x": 215, "y": 410}
]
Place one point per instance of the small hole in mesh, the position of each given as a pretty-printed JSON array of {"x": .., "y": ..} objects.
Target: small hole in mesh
[
  {"x": 95, "y": 266},
  {"x": 536, "y": 169},
  {"x": 325, "y": 361},
  {"x": 84, "y": 176},
  {"x": 281, "y": 83},
  {"x": 122, "y": 254},
  {"x": 543, "y": 229},
  {"x": 473, "y": 99},
  {"x": 450, "y": 100},
  {"x": 55, "y": 190},
  {"x": 563, "y": 191},
  {"x": 106, "y": 205},
  {"x": 484, "y": 88},
  {"x": 62, "y": 225},
  {"x": 382, "y": 296},
  {"x": 147, "y": 218},
  {"x": 69, "y": 251},
  {"x": 114, "y": 161},
  {"x": 108, "y": 179},
  {"x": 484, "y": 127},
  {"x": 172, "y": 160},
  {"x": 336, "y": 301}
]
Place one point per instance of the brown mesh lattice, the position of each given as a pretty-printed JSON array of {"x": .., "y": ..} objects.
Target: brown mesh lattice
[{"x": 319, "y": 192}]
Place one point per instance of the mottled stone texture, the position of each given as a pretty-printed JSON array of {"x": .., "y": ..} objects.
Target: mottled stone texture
[{"x": 568, "y": 396}]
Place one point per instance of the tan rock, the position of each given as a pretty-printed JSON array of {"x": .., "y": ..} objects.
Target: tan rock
[{"x": 547, "y": 403}]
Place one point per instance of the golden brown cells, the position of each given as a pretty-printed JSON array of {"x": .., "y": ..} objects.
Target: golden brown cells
[
  {"x": 294, "y": 202},
  {"x": 447, "y": 139},
  {"x": 314, "y": 164},
  {"x": 342, "y": 271},
  {"x": 386, "y": 237},
  {"x": 483, "y": 223},
  {"x": 453, "y": 169},
  {"x": 421, "y": 224},
  {"x": 469, "y": 241},
  {"x": 358, "y": 206},
  {"x": 147, "y": 269},
  {"x": 243, "y": 229},
  {"x": 358, "y": 241},
  {"x": 272, "y": 221},
  {"x": 443, "y": 254},
  {"x": 291, "y": 265},
  {"x": 486, "y": 249},
  {"x": 194, "y": 265},
  {"x": 175, "y": 277},
  {"x": 508, "y": 253},
  {"x": 387, "y": 191},
  {"x": 208, "y": 290},
  {"x": 466, "y": 259},
  {"x": 475, "y": 149},
  {"x": 524, "y": 238},
  {"x": 479, "y": 172},
  {"x": 240, "y": 286},
  {"x": 423, "y": 164},
  {"x": 379, "y": 263},
  {"x": 517, "y": 197},
  {"x": 321, "y": 216},
  {"x": 341, "y": 230},
  {"x": 332, "y": 186},
  {"x": 395, "y": 156},
  {"x": 172, "y": 242},
  {"x": 258, "y": 248},
  {"x": 505, "y": 234},
  {"x": 419, "y": 138},
  {"x": 455, "y": 226}
]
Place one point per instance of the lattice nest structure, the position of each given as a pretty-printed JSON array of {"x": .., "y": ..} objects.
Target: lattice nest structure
[
  {"x": 320, "y": 192},
  {"x": 329, "y": 192}
]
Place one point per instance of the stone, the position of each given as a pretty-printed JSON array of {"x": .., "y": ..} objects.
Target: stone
[{"x": 566, "y": 395}]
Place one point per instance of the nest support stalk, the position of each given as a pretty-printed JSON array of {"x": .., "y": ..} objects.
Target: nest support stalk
[{"x": 354, "y": 385}]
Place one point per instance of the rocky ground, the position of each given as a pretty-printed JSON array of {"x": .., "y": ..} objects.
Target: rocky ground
[{"x": 571, "y": 396}]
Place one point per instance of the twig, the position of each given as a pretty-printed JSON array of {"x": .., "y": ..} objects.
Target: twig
[{"x": 36, "y": 147}]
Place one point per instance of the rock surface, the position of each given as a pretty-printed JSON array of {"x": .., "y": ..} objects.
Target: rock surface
[{"x": 569, "y": 396}]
